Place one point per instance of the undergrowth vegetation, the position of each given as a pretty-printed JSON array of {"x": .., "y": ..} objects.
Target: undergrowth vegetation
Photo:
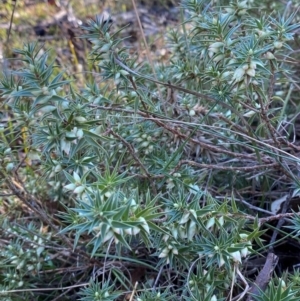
[{"x": 155, "y": 180}]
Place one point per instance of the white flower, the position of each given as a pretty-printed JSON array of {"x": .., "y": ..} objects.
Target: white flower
[
  {"x": 238, "y": 74},
  {"x": 182, "y": 232},
  {"x": 47, "y": 109},
  {"x": 9, "y": 167},
  {"x": 80, "y": 119},
  {"x": 105, "y": 47},
  {"x": 278, "y": 44},
  {"x": 230, "y": 10},
  {"x": 71, "y": 186},
  {"x": 191, "y": 230},
  {"x": 57, "y": 168},
  {"x": 65, "y": 146},
  {"x": 216, "y": 45},
  {"x": 193, "y": 212},
  {"x": 79, "y": 189},
  {"x": 192, "y": 113},
  {"x": 184, "y": 218},
  {"x": 242, "y": 12},
  {"x": 249, "y": 113},
  {"x": 243, "y": 4},
  {"x": 214, "y": 298},
  {"x": 174, "y": 231},
  {"x": 243, "y": 236},
  {"x": 218, "y": 58},
  {"x": 144, "y": 224},
  {"x": 236, "y": 256},
  {"x": 221, "y": 220},
  {"x": 210, "y": 223},
  {"x": 210, "y": 53},
  {"x": 269, "y": 56},
  {"x": 79, "y": 133},
  {"x": 170, "y": 184},
  {"x": 245, "y": 67},
  {"x": 76, "y": 177},
  {"x": 132, "y": 231},
  {"x": 244, "y": 252},
  {"x": 165, "y": 237},
  {"x": 135, "y": 230},
  {"x": 175, "y": 251},
  {"x": 221, "y": 262},
  {"x": 251, "y": 72},
  {"x": 108, "y": 194},
  {"x": 226, "y": 74},
  {"x": 109, "y": 234},
  {"x": 252, "y": 65},
  {"x": 283, "y": 284},
  {"x": 164, "y": 253}
]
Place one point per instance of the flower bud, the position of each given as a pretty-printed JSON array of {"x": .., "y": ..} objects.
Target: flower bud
[
  {"x": 251, "y": 72},
  {"x": 9, "y": 167},
  {"x": 278, "y": 44},
  {"x": 269, "y": 56},
  {"x": 238, "y": 74}
]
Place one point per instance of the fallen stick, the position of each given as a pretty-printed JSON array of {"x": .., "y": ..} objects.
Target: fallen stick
[{"x": 264, "y": 277}]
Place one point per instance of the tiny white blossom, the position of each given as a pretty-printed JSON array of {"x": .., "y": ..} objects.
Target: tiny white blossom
[
  {"x": 71, "y": 186},
  {"x": 251, "y": 72},
  {"x": 236, "y": 256},
  {"x": 278, "y": 44},
  {"x": 76, "y": 177},
  {"x": 164, "y": 253},
  {"x": 79, "y": 189},
  {"x": 238, "y": 74},
  {"x": 269, "y": 56}
]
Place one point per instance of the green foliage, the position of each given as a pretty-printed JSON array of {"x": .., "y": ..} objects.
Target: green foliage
[
  {"x": 146, "y": 171},
  {"x": 97, "y": 291},
  {"x": 278, "y": 290}
]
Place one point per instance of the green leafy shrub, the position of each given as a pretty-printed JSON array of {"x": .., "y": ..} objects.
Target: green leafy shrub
[{"x": 146, "y": 174}]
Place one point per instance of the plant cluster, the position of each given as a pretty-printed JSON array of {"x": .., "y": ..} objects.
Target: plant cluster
[{"x": 151, "y": 185}]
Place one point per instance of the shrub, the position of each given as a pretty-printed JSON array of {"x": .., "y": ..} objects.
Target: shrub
[{"x": 158, "y": 178}]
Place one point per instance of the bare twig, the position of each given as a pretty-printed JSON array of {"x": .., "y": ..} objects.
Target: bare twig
[
  {"x": 11, "y": 23},
  {"x": 162, "y": 123},
  {"x": 241, "y": 296},
  {"x": 47, "y": 289},
  {"x": 222, "y": 167},
  {"x": 263, "y": 277},
  {"x": 261, "y": 220},
  {"x": 280, "y": 221},
  {"x": 131, "y": 150},
  {"x": 133, "y": 291}
]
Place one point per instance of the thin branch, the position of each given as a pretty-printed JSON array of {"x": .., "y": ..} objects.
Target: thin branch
[
  {"x": 280, "y": 221},
  {"x": 263, "y": 277},
  {"x": 11, "y": 23},
  {"x": 133, "y": 291},
  {"x": 231, "y": 168},
  {"x": 131, "y": 150},
  {"x": 2, "y": 292},
  {"x": 241, "y": 296}
]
